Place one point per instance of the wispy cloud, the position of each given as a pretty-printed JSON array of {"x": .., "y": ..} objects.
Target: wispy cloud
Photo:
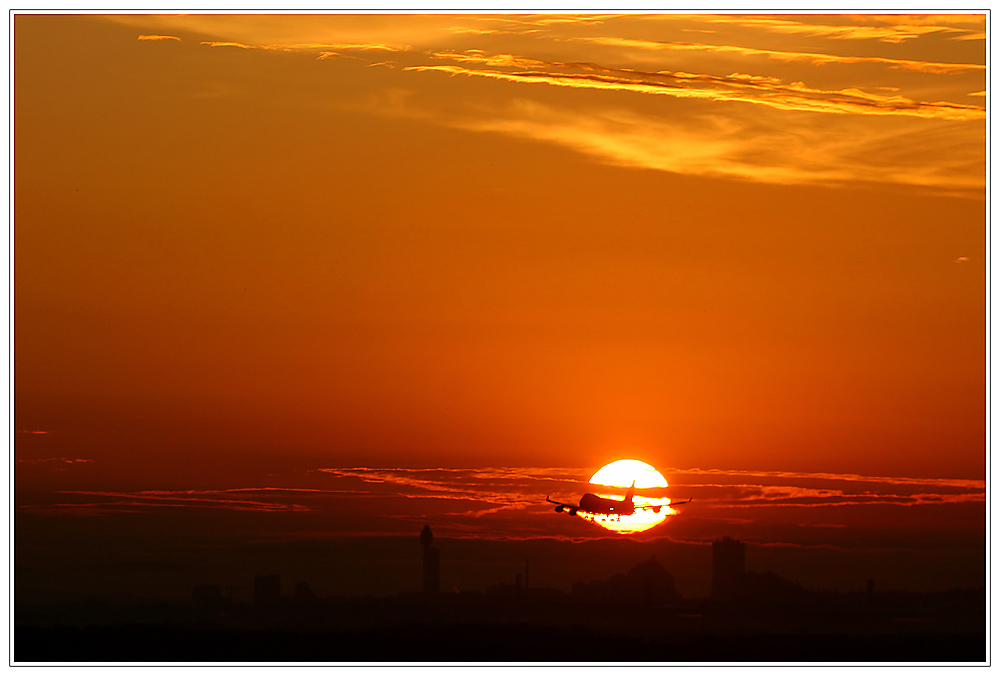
[
  {"x": 737, "y": 88},
  {"x": 753, "y": 110},
  {"x": 973, "y": 484},
  {"x": 325, "y": 49},
  {"x": 499, "y": 488},
  {"x": 518, "y": 488},
  {"x": 923, "y": 19},
  {"x": 490, "y": 490},
  {"x": 509, "y": 502},
  {"x": 469, "y": 30},
  {"x": 902, "y": 31},
  {"x": 708, "y": 144},
  {"x": 969, "y": 22},
  {"x": 145, "y": 500},
  {"x": 83, "y": 509},
  {"x": 159, "y": 37},
  {"x": 805, "y": 57},
  {"x": 238, "y": 45},
  {"x": 980, "y": 35},
  {"x": 819, "y": 489},
  {"x": 551, "y": 19}
]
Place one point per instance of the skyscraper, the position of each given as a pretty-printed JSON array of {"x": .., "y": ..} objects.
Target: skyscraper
[
  {"x": 432, "y": 569},
  {"x": 728, "y": 569}
]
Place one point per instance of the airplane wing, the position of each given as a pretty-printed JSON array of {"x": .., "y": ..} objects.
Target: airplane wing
[
  {"x": 657, "y": 508},
  {"x": 560, "y": 506}
]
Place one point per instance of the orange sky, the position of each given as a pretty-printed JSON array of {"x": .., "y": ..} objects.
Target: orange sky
[{"x": 244, "y": 243}]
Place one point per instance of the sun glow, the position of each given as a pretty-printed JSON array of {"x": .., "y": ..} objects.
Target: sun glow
[{"x": 621, "y": 474}]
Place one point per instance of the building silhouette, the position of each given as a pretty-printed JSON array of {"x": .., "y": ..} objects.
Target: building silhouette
[
  {"x": 432, "y": 562},
  {"x": 728, "y": 569},
  {"x": 647, "y": 584},
  {"x": 267, "y": 590},
  {"x": 206, "y": 595},
  {"x": 303, "y": 592}
]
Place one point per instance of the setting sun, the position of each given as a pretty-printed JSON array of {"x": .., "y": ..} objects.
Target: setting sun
[
  {"x": 621, "y": 474},
  {"x": 624, "y": 472}
]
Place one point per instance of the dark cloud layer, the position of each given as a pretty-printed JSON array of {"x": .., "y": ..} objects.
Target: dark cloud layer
[
  {"x": 510, "y": 502},
  {"x": 353, "y": 530}
]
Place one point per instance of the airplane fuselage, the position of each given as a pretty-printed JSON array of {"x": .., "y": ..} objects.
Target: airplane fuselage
[
  {"x": 593, "y": 504},
  {"x": 597, "y": 505}
]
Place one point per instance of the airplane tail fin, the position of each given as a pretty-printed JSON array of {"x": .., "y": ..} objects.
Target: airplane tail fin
[{"x": 631, "y": 492}]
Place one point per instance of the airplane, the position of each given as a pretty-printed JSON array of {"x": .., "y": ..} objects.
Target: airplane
[{"x": 591, "y": 504}]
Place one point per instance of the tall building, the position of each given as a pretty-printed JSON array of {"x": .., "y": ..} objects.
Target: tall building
[
  {"x": 432, "y": 562},
  {"x": 728, "y": 569}
]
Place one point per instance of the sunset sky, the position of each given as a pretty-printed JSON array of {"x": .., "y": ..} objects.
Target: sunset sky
[{"x": 301, "y": 275}]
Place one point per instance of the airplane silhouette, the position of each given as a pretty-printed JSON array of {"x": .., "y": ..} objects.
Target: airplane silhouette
[{"x": 592, "y": 504}]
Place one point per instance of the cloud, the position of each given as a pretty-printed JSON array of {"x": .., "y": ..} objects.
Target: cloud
[
  {"x": 337, "y": 55},
  {"x": 972, "y": 24},
  {"x": 508, "y": 503},
  {"x": 212, "y": 499},
  {"x": 775, "y": 498},
  {"x": 552, "y": 19},
  {"x": 815, "y": 490},
  {"x": 500, "y": 489},
  {"x": 467, "y": 30},
  {"x": 734, "y": 123},
  {"x": 82, "y": 509},
  {"x": 159, "y": 37},
  {"x": 230, "y": 44},
  {"x": 896, "y": 33},
  {"x": 809, "y": 57},
  {"x": 972, "y": 484},
  {"x": 362, "y": 46},
  {"x": 737, "y": 88},
  {"x": 326, "y": 50},
  {"x": 783, "y": 150},
  {"x": 981, "y": 35},
  {"x": 923, "y": 19}
]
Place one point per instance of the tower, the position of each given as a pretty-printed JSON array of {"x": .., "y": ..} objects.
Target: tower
[
  {"x": 728, "y": 569},
  {"x": 432, "y": 569}
]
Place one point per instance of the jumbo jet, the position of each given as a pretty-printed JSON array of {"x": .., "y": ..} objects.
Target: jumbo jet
[{"x": 592, "y": 504}]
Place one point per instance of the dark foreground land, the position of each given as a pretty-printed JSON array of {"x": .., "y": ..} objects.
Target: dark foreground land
[
  {"x": 513, "y": 642},
  {"x": 540, "y": 626}
]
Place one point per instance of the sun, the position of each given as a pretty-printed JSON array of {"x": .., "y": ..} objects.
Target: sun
[{"x": 621, "y": 474}]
